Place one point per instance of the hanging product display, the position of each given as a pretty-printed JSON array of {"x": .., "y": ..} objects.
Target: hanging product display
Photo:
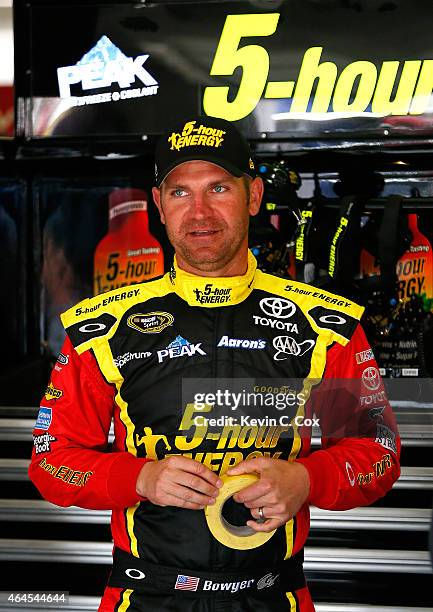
[
  {"x": 272, "y": 232},
  {"x": 129, "y": 253},
  {"x": 405, "y": 315},
  {"x": 343, "y": 255},
  {"x": 306, "y": 268},
  {"x": 414, "y": 269}
]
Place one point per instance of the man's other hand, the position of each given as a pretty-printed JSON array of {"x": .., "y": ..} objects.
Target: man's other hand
[
  {"x": 178, "y": 481},
  {"x": 283, "y": 487}
]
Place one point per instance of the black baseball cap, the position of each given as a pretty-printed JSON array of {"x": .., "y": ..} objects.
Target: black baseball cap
[{"x": 203, "y": 138}]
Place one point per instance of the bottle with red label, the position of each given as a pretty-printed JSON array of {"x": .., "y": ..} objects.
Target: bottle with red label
[
  {"x": 414, "y": 268},
  {"x": 129, "y": 253},
  {"x": 400, "y": 347}
]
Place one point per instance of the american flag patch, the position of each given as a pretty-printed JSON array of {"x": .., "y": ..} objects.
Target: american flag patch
[{"x": 186, "y": 583}]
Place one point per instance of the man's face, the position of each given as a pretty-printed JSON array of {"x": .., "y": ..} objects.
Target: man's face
[{"x": 206, "y": 212}]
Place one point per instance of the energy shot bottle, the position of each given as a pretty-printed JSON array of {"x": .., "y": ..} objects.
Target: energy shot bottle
[{"x": 129, "y": 253}]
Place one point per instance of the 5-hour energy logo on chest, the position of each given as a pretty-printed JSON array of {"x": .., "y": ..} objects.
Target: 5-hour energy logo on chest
[
  {"x": 213, "y": 295},
  {"x": 220, "y": 443}
]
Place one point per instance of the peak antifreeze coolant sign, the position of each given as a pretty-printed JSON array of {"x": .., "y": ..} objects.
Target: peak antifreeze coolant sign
[
  {"x": 304, "y": 70},
  {"x": 109, "y": 74}
]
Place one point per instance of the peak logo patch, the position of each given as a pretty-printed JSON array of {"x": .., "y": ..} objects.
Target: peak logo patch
[{"x": 180, "y": 347}]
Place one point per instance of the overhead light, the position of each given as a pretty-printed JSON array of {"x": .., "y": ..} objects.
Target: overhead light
[
  {"x": 311, "y": 116},
  {"x": 114, "y": 156},
  {"x": 6, "y": 44},
  {"x": 269, "y": 5}
]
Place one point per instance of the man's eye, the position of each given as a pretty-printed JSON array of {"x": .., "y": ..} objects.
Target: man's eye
[
  {"x": 219, "y": 188},
  {"x": 179, "y": 193}
]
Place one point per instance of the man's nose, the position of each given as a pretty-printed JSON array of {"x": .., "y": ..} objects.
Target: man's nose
[{"x": 200, "y": 206}]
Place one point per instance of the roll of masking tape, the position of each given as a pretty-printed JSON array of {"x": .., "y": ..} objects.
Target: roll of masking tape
[{"x": 233, "y": 536}]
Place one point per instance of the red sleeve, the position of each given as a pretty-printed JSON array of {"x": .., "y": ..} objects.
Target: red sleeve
[
  {"x": 70, "y": 462},
  {"x": 359, "y": 460}
]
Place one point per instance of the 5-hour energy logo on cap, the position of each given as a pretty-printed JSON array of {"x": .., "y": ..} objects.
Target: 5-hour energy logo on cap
[{"x": 196, "y": 136}]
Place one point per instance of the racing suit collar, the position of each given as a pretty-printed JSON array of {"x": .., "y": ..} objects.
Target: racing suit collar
[{"x": 212, "y": 291}]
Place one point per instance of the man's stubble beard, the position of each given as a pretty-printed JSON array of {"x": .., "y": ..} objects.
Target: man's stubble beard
[{"x": 211, "y": 261}]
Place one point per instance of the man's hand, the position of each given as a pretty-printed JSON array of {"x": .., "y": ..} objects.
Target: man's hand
[
  {"x": 178, "y": 481},
  {"x": 281, "y": 490}
]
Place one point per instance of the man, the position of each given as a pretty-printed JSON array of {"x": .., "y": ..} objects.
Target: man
[{"x": 130, "y": 354}]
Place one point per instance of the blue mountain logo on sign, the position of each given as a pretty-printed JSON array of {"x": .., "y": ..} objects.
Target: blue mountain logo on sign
[
  {"x": 102, "y": 67},
  {"x": 104, "y": 51}
]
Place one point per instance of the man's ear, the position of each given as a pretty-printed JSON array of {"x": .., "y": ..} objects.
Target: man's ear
[
  {"x": 256, "y": 195},
  {"x": 156, "y": 193}
]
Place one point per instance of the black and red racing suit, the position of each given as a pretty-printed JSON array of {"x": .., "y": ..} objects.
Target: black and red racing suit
[{"x": 126, "y": 359}]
